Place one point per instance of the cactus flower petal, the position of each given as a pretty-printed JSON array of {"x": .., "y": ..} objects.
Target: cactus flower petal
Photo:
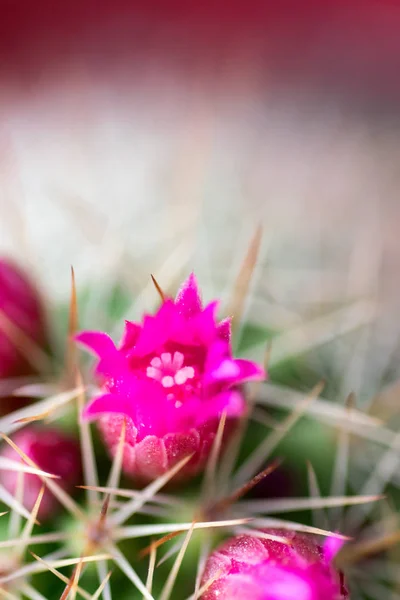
[{"x": 188, "y": 299}]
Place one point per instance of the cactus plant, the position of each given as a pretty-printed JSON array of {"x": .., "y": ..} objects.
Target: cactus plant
[{"x": 109, "y": 539}]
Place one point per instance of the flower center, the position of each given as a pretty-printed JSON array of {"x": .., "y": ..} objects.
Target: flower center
[{"x": 168, "y": 369}]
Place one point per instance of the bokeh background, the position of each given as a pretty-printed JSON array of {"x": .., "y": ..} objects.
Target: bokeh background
[{"x": 154, "y": 137}]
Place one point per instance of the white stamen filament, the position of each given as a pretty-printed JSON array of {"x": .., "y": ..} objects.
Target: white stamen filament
[
  {"x": 153, "y": 373},
  {"x": 166, "y": 359},
  {"x": 167, "y": 381},
  {"x": 170, "y": 370},
  {"x": 156, "y": 362},
  {"x": 183, "y": 375},
  {"x": 178, "y": 360}
]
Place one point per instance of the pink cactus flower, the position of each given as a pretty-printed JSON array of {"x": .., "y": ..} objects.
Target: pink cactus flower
[
  {"x": 53, "y": 452},
  {"x": 171, "y": 379},
  {"x": 265, "y": 569}
]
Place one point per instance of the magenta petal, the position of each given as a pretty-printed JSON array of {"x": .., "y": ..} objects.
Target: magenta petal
[
  {"x": 107, "y": 403},
  {"x": 231, "y": 402},
  {"x": 99, "y": 343},
  {"x": 285, "y": 583},
  {"x": 200, "y": 330},
  {"x": 205, "y": 323},
  {"x": 143, "y": 400},
  {"x": 249, "y": 371},
  {"x": 222, "y": 368},
  {"x": 224, "y": 329},
  {"x": 227, "y": 370},
  {"x": 140, "y": 399},
  {"x": 217, "y": 352},
  {"x": 219, "y": 366},
  {"x": 156, "y": 330},
  {"x": 130, "y": 335},
  {"x": 188, "y": 299},
  {"x": 111, "y": 362}
]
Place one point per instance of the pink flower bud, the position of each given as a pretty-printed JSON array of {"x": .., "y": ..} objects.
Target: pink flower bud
[
  {"x": 20, "y": 305},
  {"x": 21, "y": 315},
  {"x": 52, "y": 451},
  {"x": 171, "y": 379},
  {"x": 265, "y": 569}
]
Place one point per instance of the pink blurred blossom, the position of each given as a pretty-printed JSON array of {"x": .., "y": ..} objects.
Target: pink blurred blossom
[
  {"x": 52, "y": 451},
  {"x": 22, "y": 322},
  {"x": 21, "y": 310},
  {"x": 264, "y": 569}
]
